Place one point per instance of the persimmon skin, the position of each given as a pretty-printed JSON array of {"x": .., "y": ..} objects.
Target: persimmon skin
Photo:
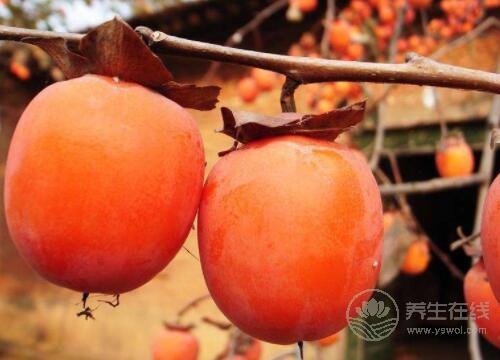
[
  {"x": 175, "y": 345},
  {"x": 477, "y": 290},
  {"x": 455, "y": 158},
  {"x": 289, "y": 230},
  {"x": 102, "y": 183},
  {"x": 490, "y": 235}
]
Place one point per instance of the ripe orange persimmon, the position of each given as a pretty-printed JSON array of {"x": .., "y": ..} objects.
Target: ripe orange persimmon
[
  {"x": 454, "y": 158},
  {"x": 102, "y": 183},
  {"x": 490, "y": 235},
  {"x": 303, "y": 238},
  {"x": 340, "y": 36},
  {"x": 329, "y": 340},
  {"x": 477, "y": 290},
  {"x": 417, "y": 258},
  {"x": 265, "y": 79},
  {"x": 175, "y": 345},
  {"x": 305, "y": 5},
  {"x": 247, "y": 89}
]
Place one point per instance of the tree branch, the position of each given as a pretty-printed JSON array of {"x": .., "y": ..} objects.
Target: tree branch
[
  {"x": 378, "y": 142},
  {"x": 429, "y": 186},
  {"x": 329, "y": 18},
  {"x": 418, "y": 71},
  {"x": 240, "y": 34}
]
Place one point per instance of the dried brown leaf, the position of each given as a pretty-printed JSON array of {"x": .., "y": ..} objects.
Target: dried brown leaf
[
  {"x": 71, "y": 64},
  {"x": 191, "y": 96},
  {"x": 245, "y": 126},
  {"x": 114, "y": 49}
]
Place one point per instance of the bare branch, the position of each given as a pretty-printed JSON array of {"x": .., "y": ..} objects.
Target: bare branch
[
  {"x": 378, "y": 142},
  {"x": 433, "y": 185},
  {"x": 329, "y": 18},
  {"x": 418, "y": 71}
]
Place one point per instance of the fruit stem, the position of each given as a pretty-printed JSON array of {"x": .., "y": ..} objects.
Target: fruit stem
[
  {"x": 287, "y": 95},
  {"x": 300, "y": 344}
]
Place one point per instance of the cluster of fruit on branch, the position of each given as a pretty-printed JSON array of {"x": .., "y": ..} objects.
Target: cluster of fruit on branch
[{"x": 363, "y": 31}]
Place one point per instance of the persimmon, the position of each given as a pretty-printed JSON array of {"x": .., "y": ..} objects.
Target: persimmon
[
  {"x": 102, "y": 183},
  {"x": 386, "y": 14},
  {"x": 247, "y": 89},
  {"x": 325, "y": 105},
  {"x": 327, "y": 92},
  {"x": 490, "y": 235},
  {"x": 355, "y": 51},
  {"x": 305, "y": 5},
  {"x": 477, "y": 290},
  {"x": 295, "y": 50},
  {"x": 402, "y": 45},
  {"x": 175, "y": 345},
  {"x": 454, "y": 157},
  {"x": 420, "y": 4},
  {"x": 417, "y": 258},
  {"x": 340, "y": 36},
  {"x": 343, "y": 88},
  {"x": 21, "y": 71},
  {"x": 307, "y": 41},
  {"x": 265, "y": 79},
  {"x": 303, "y": 238},
  {"x": 329, "y": 340}
]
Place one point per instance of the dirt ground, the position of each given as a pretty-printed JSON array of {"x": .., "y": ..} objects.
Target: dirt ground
[{"x": 38, "y": 320}]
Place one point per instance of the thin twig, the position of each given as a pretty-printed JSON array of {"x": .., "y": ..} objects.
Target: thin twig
[
  {"x": 192, "y": 304},
  {"x": 433, "y": 185},
  {"x": 251, "y": 26},
  {"x": 463, "y": 240},
  {"x": 329, "y": 19},
  {"x": 378, "y": 142}
]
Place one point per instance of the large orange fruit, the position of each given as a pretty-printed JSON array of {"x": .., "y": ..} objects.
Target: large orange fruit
[
  {"x": 175, "y": 345},
  {"x": 490, "y": 235},
  {"x": 102, "y": 183},
  {"x": 290, "y": 229},
  {"x": 478, "y": 295}
]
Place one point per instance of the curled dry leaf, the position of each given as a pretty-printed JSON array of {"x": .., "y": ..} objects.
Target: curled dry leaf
[
  {"x": 245, "y": 126},
  {"x": 397, "y": 238},
  {"x": 114, "y": 49}
]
